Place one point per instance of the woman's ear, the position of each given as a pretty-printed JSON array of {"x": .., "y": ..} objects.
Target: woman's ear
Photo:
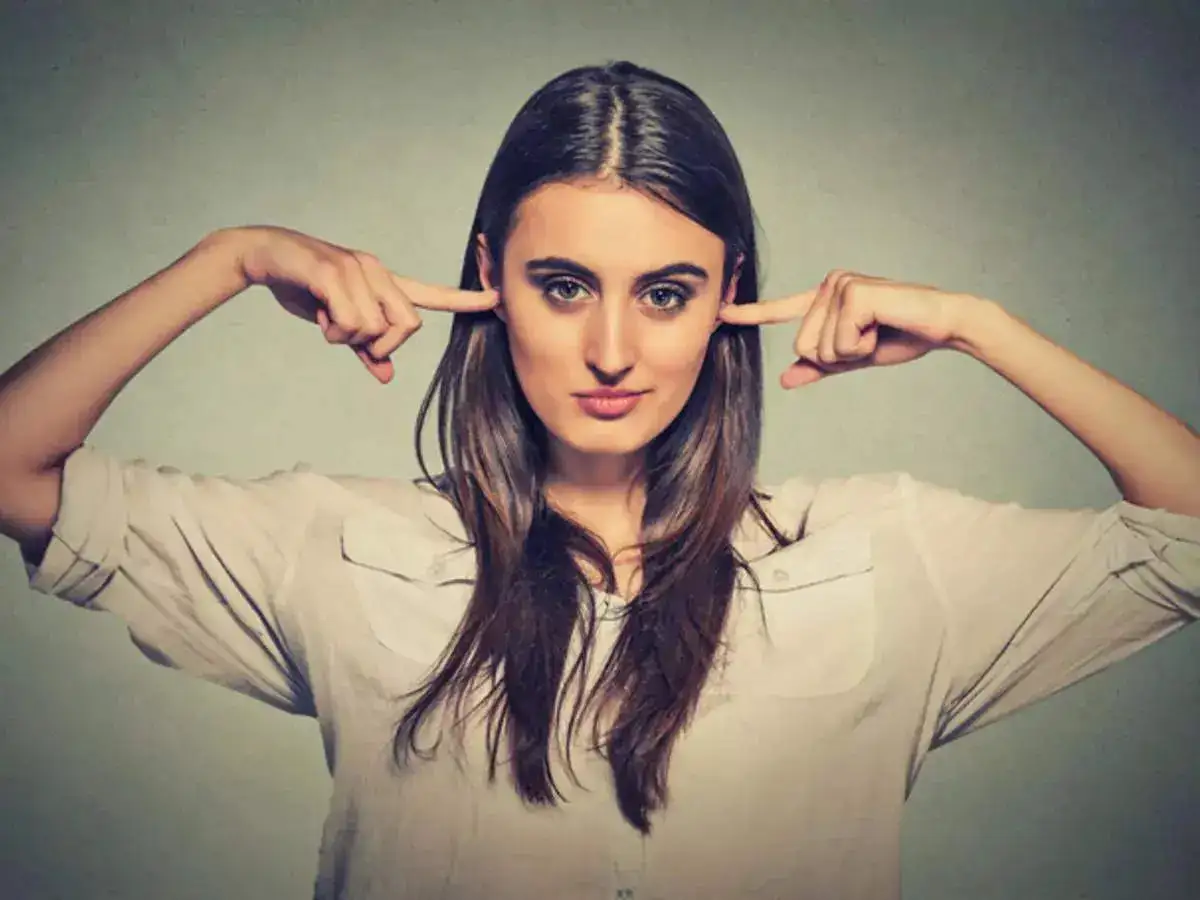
[
  {"x": 731, "y": 290},
  {"x": 483, "y": 261}
]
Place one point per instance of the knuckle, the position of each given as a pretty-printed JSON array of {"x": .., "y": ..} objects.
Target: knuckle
[
  {"x": 383, "y": 345},
  {"x": 395, "y": 309},
  {"x": 846, "y": 345},
  {"x": 326, "y": 270},
  {"x": 375, "y": 321},
  {"x": 347, "y": 319},
  {"x": 396, "y": 335}
]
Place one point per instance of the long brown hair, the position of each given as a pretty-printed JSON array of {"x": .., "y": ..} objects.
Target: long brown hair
[{"x": 655, "y": 135}]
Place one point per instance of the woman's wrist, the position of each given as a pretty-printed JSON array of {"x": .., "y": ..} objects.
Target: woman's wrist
[
  {"x": 976, "y": 322},
  {"x": 228, "y": 249}
]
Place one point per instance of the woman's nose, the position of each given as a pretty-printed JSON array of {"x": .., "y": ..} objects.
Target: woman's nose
[{"x": 611, "y": 337}]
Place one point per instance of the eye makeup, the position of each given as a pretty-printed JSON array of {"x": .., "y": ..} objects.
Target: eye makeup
[
  {"x": 548, "y": 284},
  {"x": 551, "y": 272}
]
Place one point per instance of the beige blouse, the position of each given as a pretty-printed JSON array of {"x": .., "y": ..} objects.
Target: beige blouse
[{"x": 910, "y": 615}]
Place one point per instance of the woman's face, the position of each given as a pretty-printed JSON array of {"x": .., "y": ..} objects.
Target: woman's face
[{"x": 606, "y": 287}]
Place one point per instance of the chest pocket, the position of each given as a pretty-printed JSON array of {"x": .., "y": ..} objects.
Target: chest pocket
[
  {"x": 413, "y": 586},
  {"x": 818, "y": 602}
]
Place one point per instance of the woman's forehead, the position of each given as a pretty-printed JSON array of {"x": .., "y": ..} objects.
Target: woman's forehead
[{"x": 605, "y": 225}]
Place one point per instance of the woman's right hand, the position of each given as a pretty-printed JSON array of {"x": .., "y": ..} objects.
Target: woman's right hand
[{"x": 349, "y": 294}]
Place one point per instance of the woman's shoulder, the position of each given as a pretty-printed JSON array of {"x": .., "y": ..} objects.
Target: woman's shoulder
[{"x": 819, "y": 501}]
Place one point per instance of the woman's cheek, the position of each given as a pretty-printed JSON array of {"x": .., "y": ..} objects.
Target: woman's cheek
[{"x": 680, "y": 352}]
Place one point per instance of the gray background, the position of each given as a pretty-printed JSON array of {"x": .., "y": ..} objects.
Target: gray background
[{"x": 1045, "y": 158}]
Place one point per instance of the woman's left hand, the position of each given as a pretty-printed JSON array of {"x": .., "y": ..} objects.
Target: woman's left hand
[{"x": 852, "y": 321}]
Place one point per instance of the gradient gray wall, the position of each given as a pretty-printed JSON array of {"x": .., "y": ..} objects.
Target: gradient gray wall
[{"x": 1047, "y": 160}]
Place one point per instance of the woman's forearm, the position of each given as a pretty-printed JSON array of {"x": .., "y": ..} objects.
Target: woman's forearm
[
  {"x": 1152, "y": 456},
  {"x": 52, "y": 398}
]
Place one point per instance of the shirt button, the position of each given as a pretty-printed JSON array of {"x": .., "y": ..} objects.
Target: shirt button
[
  {"x": 779, "y": 575},
  {"x": 437, "y": 569}
]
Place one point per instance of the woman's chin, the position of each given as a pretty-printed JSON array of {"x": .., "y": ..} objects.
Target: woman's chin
[{"x": 606, "y": 439}]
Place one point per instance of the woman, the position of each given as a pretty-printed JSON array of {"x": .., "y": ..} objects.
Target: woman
[{"x": 746, "y": 713}]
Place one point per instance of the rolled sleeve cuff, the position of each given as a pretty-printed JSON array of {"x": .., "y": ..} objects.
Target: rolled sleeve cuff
[
  {"x": 86, "y": 543},
  {"x": 1171, "y": 524},
  {"x": 1173, "y": 542}
]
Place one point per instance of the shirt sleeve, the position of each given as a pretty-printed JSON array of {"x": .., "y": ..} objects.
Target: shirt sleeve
[
  {"x": 1038, "y": 599},
  {"x": 192, "y": 564}
]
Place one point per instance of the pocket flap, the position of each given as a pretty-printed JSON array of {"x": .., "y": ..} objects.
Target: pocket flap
[
  {"x": 818, "y": 602},
  {"x": 820, "y": 556}
]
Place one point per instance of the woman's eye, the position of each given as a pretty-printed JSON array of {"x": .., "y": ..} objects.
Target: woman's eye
[
  {"x": 679, "y": 297},
  {"x": 551, "y": 286},
  {"x": 663, "y": 298}
]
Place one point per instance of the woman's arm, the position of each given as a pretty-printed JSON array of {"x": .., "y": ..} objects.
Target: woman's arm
[
  {"x": 52, "y": 398},
  {"x": 1153, "y": 457}
]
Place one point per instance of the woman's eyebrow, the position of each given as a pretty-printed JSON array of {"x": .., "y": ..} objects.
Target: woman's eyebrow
[{"x": 562, "y": 263}]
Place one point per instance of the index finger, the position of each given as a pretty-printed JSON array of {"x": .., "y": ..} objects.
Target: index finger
[
  {"x": 768, "y": 312},
  {"x": 443, "y": 297}
]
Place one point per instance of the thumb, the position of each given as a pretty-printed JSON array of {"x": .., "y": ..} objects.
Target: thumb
[{"x": 800, "y": 374}]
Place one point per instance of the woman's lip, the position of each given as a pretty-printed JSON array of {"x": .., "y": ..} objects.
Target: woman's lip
[{"x": 607, "y": 407}]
